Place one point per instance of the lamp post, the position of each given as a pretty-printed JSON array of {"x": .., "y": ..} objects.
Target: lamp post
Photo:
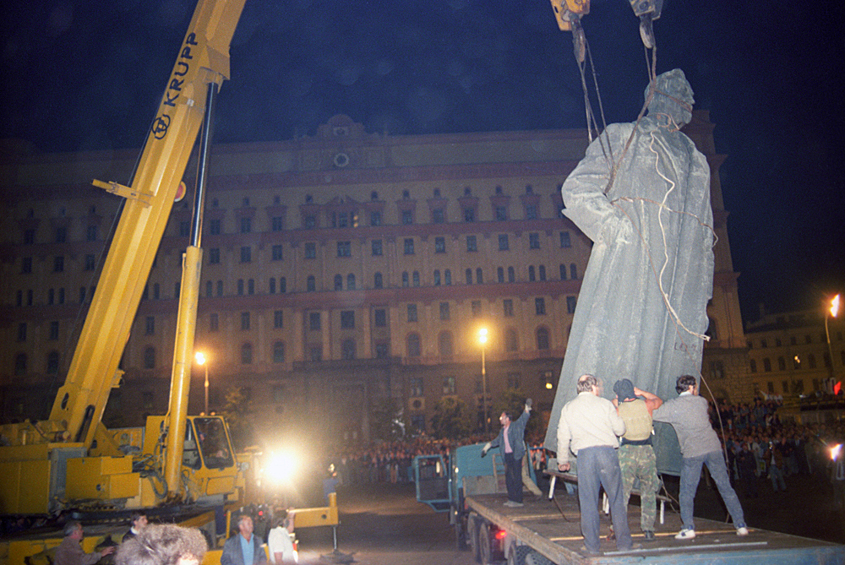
[
  {"x": 200, "y": 357},
  {"x": 482, "y": 339},
  {"x": 832, "y": 311}
]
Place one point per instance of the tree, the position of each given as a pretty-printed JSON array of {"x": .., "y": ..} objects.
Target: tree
[
  {"x": 452, "y": 419},
  {"x": 389, "y": 421},
  {"x": 236, "y": 413}
]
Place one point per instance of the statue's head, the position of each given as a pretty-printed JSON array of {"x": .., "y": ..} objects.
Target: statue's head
[{"x": 672, "y": 97}]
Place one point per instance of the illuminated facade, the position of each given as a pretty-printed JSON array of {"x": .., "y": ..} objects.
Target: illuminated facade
[{"x": 340, "y": 270}]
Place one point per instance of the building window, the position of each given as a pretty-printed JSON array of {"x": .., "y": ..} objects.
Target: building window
[
  {"x": 311, "y": 250},
  {"x": 150, "y": 326},
  {"x": 214, "y": 256},
  {"x": 347, "y": 319},
  {"x": 315, "y": 352},
  {"x": 214, "y": 227},
  {"x": 310, "y": 222},
  {"x": 514, "y": 380},
  {"x": 469, "y": 215},
  {"x": 511, "y": 275},
  {"x": 565, "y": 240},
  {"x": 58, "y": 264},
  {"x": 412, "y": 312},
  {"x": 22, "y": 331},
  {"x": 479, "y": 276},
  {"x": 444, "y": 345},
  {"x": 314, "y": 321},
  {"x": 348, "y": 349},
  {"x": 90, "y": 262},
  {"x": 533, "y": 241},
  {"x": 781, "y": 364},
  {"x": 540, "y": 306},
  {"x": 279, "y": 352},
  {"x": 415, "y": 278},
  {"x": 407, "y": 217},
  {"x": 377, "y": 248},
  {"x": 54, "y": 331},
  {"x": 444, "y": 311},
  {"x": 511, "y": 342},
  {"x": 573, "y": 272},
  {"x": 283, "y": 285},
  {"x": 246, "y": 354},
  {"x": 338, "y": 282},
  {"x": 447, "y": 277},
  {"x": 52, "y": 362},
  {"x": 409, "y": 246},
  {"x": 415, "y": 387},
  {"x": 767, "y": 365},
  {"x": 278, "y": 253},
  {"x": 438, "y": 216},
  {"x": 500, "y": 274},
  {"x": 472, "y": 243},
  {"x": 246, "y": 254},
  {"x": 501, "y": 213},
  {"x": 542, "y": 339},
  {"x": 240, "y": 287},
  {"x": 380, "y": 318},
  {"x": 244, "y": 321},
  {"x": 562, "y": 272},
  {"x": 246, "y": 225},
  {"x": 61, "y": 235},
  {"x": 542, "y": 271},
  {"x": 507, "y": 307},
  {"x": 271, "y": 286},
  {"x": 149, "y": 358},
  {"x": 531, "y": 212},
  {"x": 753, "y": 365},
  {"x": 250, "y": 287},
  {"x": 344, "y": 249},
  {"x": 436, "y": 277},
  {"x": 378, "y": 280},
  {"x": 504, "y": 243},
  {"x": 468, "y": 275},
  {"x": 278, "y": 319},
  {"x": 350, "y": 282},
  {"x": 414, "y": 345},
  {"x": 184, "y": 229},
  {"x": 311, "y": 283},
  {"x": 213, "y": 322},
  {"x": 20, "y": 364},
  {"x": 382, "y": 350},
  {"x": 532, "y": 276},
  {"x": 440, "y": 245},
  {"x": 26, "y": 265},
  {"x": 571, "y": 303},
  {"x": 277, "y": 223},
  {"x": 448, "y": 386},
  {"x": 375, "y": 218},
  {"x": 405, "y": 280}
]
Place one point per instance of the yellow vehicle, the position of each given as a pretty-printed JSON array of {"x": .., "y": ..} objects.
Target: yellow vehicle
[{"x": 71, "y": 462}]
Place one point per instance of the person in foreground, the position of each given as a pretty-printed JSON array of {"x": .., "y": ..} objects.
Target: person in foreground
[
  {"x": 589, "y": 424},
  {"x": 244, "y": 548},
  {"x": 699, "y": 446},
  {"x": 70, "y": 551},
  {"x": 164, "y": 544}
]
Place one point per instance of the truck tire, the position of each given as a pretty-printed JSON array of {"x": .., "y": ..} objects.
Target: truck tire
[
  {"x": 534, "y": 558},
  {"x": 517, "y": 555},
  {"x": 485, "y": 544},
  {"x": 472, "y": 536}
]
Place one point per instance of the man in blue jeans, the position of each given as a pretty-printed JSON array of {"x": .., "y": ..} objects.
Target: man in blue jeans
[
  {"x": 590, "y": 425},
  {"x": 699, "y": 446}
]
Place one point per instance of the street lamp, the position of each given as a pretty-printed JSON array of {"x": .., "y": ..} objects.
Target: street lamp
[
  {"x": 482, "y": 340},
  {"x": 200, "y": 357},
  {"x": 832, "y": 311}
]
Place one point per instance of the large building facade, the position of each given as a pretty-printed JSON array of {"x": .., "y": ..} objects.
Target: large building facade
[{"x": 340, "y": 271}]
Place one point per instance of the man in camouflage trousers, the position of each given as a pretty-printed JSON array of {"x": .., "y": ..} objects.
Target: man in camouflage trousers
[{"x": 636, "y": 455}]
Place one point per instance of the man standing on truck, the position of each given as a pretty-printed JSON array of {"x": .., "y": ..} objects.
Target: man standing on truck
[
  {"x": 589, "y": 425},
  {"x": 699, "y": 446},
  {"x": 512, "y": 442},
  {"x": 636, "y": 455}
]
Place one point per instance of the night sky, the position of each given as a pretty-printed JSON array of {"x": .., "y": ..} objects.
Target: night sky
[{"x": 87, "y": 74}]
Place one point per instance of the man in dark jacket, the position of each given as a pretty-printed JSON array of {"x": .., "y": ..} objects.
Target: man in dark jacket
[
  {"x": 512, "y": 443},
  {"x": 244, "y": 548}
]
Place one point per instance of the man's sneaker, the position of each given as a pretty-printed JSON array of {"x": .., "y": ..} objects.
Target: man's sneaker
[
  {"x": 648, "y": 535},
  {"x": 512, "y": 504},
  {"x": 685, "y": 534},
  {"x": 742, "y": 531}
]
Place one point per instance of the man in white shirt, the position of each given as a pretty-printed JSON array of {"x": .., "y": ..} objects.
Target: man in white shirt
[
  {"x": 589, "y": 425},
  {"x": 280, "y": 542}
]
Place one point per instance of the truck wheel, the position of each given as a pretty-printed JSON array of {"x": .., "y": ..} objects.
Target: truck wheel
[
  {"x": 517, "y": 555},
  {"x": 472, "y": 536},
  {"x": 485, "y": 544},
  {"x": 534, "y": 558}
]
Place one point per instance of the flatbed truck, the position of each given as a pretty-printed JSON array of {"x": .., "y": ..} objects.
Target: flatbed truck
[{"x": 547, "y": 529}]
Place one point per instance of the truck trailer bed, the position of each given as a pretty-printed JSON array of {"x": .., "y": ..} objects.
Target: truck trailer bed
[{"x": 552, "y": 529}]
